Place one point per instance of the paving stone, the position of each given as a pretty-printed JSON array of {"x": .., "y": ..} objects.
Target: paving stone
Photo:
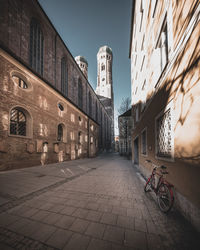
[
  {"x": 92, "y": 206},
  {"x": 114, "y": 234},
  {"x": 43, "y": 232},
  {"x": 96, "y": 230},
  {"x": 94, "y": 216},
  {"x": 81, "y": 213},
  {"x": 140, "y": 225},
  {"x": 96, "y": 244},
  {"x": 109, "y": 218},
  {"x": 79, "y": 226},
  {"x": 68, "y": 210},
  {"x": 56, "y": 208},
  {"x": 7, "y": 219},
  {"x": 77, "y": 242},
  {"x": 65, "y": 222},
  {"x": 40, "y": 215},
  {"x": 119, "y": 211},
  {"x": 125, "y": 221},
  {"x": 105, "y": 208},
  {"x": 135, "y": 239},
  {"x": 52, "y": 218},
  {"x": 59, "y": 238}
]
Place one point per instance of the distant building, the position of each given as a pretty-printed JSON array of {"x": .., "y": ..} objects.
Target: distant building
[
  {"x": 48, "y": 110},
  {"x": 165, "y": 77},
  {"x": 117, "y": 143},
  {"x": 125, "y": 130},
  {"x": 104, "y": 88}
]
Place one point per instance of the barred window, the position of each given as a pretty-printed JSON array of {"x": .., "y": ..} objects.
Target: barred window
[
  {"x": 36, "y": 46},
  {"x": 144, "y": 142},
  {"x": 164, "y": 135},
  {"x": 60, "y": 132},
  {"x": 17, "y": 122},
  {"x": 80, "y": 93},
  {"x": 21, "y": 83},
  {"x": 64, "y": 85}
]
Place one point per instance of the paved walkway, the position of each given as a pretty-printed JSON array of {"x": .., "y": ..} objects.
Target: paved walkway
[{"x": 93, "y": 204}]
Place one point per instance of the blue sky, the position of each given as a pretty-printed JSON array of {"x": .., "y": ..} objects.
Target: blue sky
[{"x": 86, "y": 25}]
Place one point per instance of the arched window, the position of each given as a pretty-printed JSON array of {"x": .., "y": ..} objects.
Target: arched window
[
  {"x": 90, "y": 104},
  {"x": 17, "y": 122},
  {"x": 97, "y": 113},
  {"x": 60, "y": 132},
  {"x": 80, "y": 93},
  {"x": 64, "y": 85},
  {"x": 36, "y": 46},
  {"x": 102, "y": 66}
]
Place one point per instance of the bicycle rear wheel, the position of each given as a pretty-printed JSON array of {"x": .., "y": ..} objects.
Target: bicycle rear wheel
[
  {"x": 165, "y": 198},
  {"x": 147, "y": 186}
]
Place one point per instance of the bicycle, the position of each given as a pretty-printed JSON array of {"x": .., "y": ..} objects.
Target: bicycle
[{"x": 163, "y": 189}]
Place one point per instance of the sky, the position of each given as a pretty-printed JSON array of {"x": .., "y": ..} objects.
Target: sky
[{"x": 86, "y": 25}]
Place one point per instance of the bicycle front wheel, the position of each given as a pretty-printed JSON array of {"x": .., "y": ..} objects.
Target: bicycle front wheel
[
  {"x": 165, "y": 198},
  {"x": 147, "y": 186}
]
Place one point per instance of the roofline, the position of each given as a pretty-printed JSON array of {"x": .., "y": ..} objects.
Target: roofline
[
  {"x": 129, "y": 110},
  {"x": 69, "y": 52},
  {"x": 131, "y": 31}
]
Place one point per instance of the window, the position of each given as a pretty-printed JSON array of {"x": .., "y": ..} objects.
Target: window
[
  {"x": 21, "y": 83},
  {"x": 102, "y": 67},
  {"x": 60, "y": 132},
  {"x": 153, "y": 7},
  {"x": 144, "y": 142},
  {"x": 60, "y": 106},
  {"x": 90, "y": 104},
  {"x": 164, "y": 135},
  {"x": 162, "y": 47},
  {"x": 80, "y": 93},
  {"x": 64, "y": 85},
  {"x": 142, "y": 63},
  {"x": 36, "y": 46},
  {"x": 142, "y": 46},
  {"x": 79, "y": 137},
  {"x": 17, "y": 122},
  {"x": 141, "y": 15},
  {"x": 97, "y": 112}
]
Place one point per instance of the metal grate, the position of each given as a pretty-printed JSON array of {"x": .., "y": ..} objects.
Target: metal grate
[
  {"x": 17, "y": 122},
  {"x": 164, "y": 137}
]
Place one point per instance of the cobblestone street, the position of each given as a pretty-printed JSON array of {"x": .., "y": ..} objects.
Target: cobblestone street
[{"x": 92, "y": 204}]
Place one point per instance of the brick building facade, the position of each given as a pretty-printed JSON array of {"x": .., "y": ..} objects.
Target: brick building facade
[
  {"x": 165, "y": 76},
  {"x": 49, "y": 111}
]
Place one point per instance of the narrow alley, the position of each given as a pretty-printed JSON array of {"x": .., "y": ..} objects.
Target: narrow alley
[{"x": 92, "y": 204}]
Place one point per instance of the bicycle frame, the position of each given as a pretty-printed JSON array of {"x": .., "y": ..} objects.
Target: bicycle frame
[{"x": 161, "y": 180}]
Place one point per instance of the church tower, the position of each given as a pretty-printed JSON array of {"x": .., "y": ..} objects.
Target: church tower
[
  {"x": 104, "y": 72},
  {"x": 83, "y": 65},
  {"x": 104, "y": 88}
]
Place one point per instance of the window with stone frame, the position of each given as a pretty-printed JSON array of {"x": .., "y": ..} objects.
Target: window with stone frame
[
  {"x": 164, "y": 135},
  {"x": 144, "y": 142},
  {"x": 64, "y": 76},
  {"x": 80, "y": 93},
  {"x": 97, "y": 112},
  {"x": 36, "y": 47},
  {"x": 18, "y": 122},
  {"x": 60, "y": 132},
  {"x": 90, "y": 104}
]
